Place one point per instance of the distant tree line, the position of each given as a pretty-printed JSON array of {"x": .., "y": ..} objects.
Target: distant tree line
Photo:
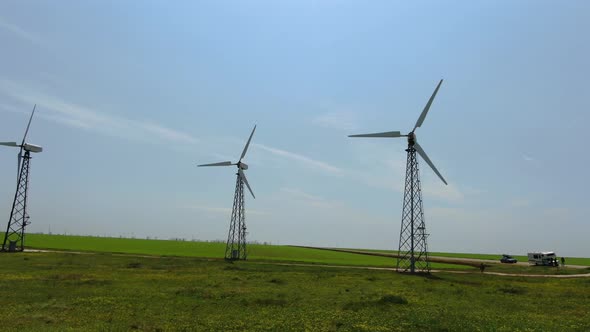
[{"x": 179, "y": 239}]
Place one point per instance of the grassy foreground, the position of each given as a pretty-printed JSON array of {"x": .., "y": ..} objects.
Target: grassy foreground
[
  {"x": 100, "y": 292},
  {"x": 209, "y": 250}
]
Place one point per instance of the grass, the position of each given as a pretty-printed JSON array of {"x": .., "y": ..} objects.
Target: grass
[
  {"x": 541, "y": 270},
  {"x": 209, "y": 250},
  {"x": 99, "y": 292}
]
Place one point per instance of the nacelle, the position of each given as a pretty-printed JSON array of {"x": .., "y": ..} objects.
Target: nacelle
[{"x": 32, "y": 148}]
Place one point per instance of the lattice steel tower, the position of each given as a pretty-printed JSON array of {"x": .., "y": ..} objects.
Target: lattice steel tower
[
  {"x": 14, "y": 238},
  {"x": 413, "y": 251},
  {"x": 235, "y": 248}
]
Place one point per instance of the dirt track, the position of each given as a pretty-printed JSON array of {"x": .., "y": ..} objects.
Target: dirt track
[
  {"x": 460, "y": 261},
  {"x": 435, "y": 259},
  {"x": 586, "y": 275}
]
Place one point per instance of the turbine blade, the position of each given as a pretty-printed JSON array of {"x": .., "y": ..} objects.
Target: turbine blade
[
  {"x": 9, "y": 144},
  {"x": 427, "y": 160},
  {"x": 385, "y": 134},
  {"x": 247, "y": 144},
  {"x": 427, "y": 107},
  {"x": 223, "y": 163},
  {"x": 246, "y": 181},
  {"x": 29, "y": 124},
  {"x": 20, "y": 156}
]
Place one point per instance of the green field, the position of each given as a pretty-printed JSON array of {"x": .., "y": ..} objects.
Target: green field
[
  {"x": 106, "y": 292},
  {"x": 209, "y": 250},
  {"x": 256, "y": 252}
]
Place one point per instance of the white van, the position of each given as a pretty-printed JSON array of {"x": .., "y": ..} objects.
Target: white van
[{"x": 546, "y": 258}]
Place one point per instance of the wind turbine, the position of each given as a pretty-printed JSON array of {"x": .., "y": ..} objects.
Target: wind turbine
[
  {"x": 14, "y": 238},
  {"x": 235, "y": 248},
  {"x": 413, "y": 252}
]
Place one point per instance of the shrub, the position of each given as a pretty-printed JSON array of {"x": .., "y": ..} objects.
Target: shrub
[
  {"x": 512, "y": 290},
  {"x": 392, "y": 299},
  {"x": 277, "y": 281},
  {"x": 134, "y": 265}
]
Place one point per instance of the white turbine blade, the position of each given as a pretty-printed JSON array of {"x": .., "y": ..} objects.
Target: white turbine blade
[
  {"x": 427, "y": 107},
  {"x": 223, "y": 163},
  {"x": 29, "y": 124},
  {"x": 246, "y": 181},
  {"x": 385, "y": 134},
  {"x": 9, "y": 144},
  {"x": 247, "y": 144},
  {"x": 425, "y": 157}
]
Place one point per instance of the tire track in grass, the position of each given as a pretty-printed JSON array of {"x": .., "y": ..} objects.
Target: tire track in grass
[{"x": 373, "y": 268}]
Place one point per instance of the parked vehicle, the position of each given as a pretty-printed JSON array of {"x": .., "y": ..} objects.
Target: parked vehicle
[
  {"x": 508, "y": 259},
  {"x": 546, "y": 258}
]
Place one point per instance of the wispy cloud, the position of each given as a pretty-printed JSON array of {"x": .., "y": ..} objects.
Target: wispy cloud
[
  {"x": 520, "y": 202},
  {"x": 311, "y": 200},
  {"x": 16, "y": 30},
  {"x": 527, "y": 157},
  {"x": 169, "y": 134},
  {"x": 341, "y": 120},
  {"x": 301, "y": 194},
  {"x": 449, "y": 193},
  {"x": 311, "y": 163},
  {"x": 82, "y": 117},
  {"x": 12, "y": 109},
  {"x": 222, "y": 210}
]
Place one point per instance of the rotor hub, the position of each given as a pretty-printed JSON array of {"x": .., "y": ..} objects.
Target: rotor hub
[
  {"x": 242, "y": 166},
  {"x": 411, "y": 139}
]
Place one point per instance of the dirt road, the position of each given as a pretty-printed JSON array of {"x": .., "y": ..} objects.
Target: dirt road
[
  {"x": 586, "y": 275},
  {"x": 435, "y": 259},
  {"x": 470, "y": 262}
]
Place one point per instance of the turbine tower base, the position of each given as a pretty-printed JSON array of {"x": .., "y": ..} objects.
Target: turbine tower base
[
  {"x": 413, "y": 251},
  {"x": 14, "y": 238},
  {"x": 235, "y": 248}
]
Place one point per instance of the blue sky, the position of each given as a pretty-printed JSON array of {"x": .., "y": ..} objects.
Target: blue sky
[{"x": 132, "y": 95}]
